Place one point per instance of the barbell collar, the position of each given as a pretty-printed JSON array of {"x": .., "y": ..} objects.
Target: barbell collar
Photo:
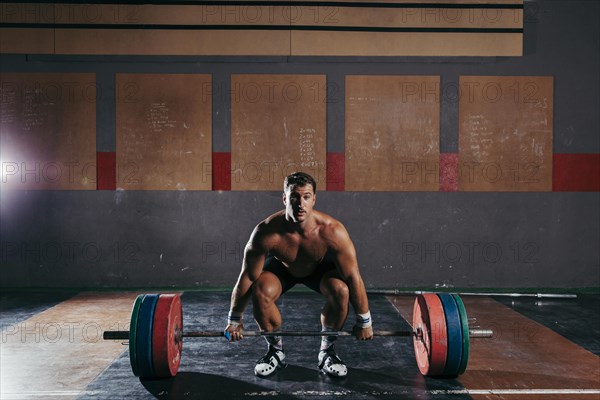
[{"x": 115, "y": 335}]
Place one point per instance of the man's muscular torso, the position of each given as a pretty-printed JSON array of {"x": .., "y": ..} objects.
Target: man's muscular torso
[{"x": 302, "y": 252}]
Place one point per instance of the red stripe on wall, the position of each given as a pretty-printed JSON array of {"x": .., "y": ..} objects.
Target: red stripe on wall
[
  {"x": 336, "y": 172},
  {"x": 106, "y": 171},
  {"x": 576, "y": 172},
  {"x": 448, "y": 172},
  {"x": 221, "y": 179}
]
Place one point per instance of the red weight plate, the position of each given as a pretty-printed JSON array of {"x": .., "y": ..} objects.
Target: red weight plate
[
  {"x": 166, "y": 338},
  {"x": 431, "y": 345}
]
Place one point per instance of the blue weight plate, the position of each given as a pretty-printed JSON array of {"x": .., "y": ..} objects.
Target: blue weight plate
[
  {"x": 455, "y": 340},
  {"x": 144, "y": 336},
  {"x": 465, "y": 330},
  {"x": 133, "y": 334}
]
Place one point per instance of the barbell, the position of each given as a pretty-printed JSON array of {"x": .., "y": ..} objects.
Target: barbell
[{"x": 440, "y": 332}]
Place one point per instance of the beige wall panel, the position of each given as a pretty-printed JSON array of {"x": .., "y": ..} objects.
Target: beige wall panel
[
  {"x": 177, "y": 14},
  {"x": 98, "y": 13},
  {"x": 392, "y": 133},
  {"x": 26, "y": 41},
  {"x": 222, "y": 15},
  {"x": 332, "y": 16},
  {"x": 172, "y": 42},
  {"x": 164, "y": 132},
  {"x": 27, "y": 13},
  {"x": 266, "y": 15},
  {"x": 505, "y": 133},
  {"x": 278, "y": 126},
  {"x": 267, "y": 43},
  {"x": 405, "y": 44},
  {"x": 48, "y": 130}
]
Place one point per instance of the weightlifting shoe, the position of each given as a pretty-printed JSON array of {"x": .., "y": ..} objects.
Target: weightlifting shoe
[
  {"x": 331, "y": 364},
  {"x": 270, "y": 362}
]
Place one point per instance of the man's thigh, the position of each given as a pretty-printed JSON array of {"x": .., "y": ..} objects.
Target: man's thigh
[
  {"x": 331, "y": 282},
  {"x": 275, "y": 270}
]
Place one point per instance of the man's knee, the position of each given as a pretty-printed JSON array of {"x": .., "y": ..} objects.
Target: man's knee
[
  {"x": 338, "y": 292},
  {"x": 265, "y": 292}
]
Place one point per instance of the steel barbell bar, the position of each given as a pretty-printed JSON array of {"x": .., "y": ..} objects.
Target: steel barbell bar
[{"x": 124, "y": 335}]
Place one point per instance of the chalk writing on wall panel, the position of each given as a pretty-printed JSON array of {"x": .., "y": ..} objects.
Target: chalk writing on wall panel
[
  {"x": 392, "y": 133},
  {"x": 278, "y": 127},
  {"x": 48, "y": 130},
  {"x": 505, "y": 133},
  {"x": 164, "y": 132}
]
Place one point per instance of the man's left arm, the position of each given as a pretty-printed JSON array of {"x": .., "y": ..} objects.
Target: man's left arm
[{"x": 347, "y": 264}]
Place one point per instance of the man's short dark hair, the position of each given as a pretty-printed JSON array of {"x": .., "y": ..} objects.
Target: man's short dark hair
[{"x": 298, "y": 179}]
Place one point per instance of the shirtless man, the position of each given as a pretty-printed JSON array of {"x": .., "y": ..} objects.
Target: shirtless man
[{"x": 300, "y": 245}]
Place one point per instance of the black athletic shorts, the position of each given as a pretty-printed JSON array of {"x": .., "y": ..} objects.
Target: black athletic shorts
[{"x": 288, "y": 281}]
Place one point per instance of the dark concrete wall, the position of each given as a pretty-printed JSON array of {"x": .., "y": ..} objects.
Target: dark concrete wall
[{"x": 427, "y": 240}]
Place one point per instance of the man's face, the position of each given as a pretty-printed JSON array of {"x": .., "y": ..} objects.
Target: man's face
[{"x": 299, "y": 202}]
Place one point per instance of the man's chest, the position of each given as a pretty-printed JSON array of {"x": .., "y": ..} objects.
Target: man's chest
[{"x": 300, "y": 251}]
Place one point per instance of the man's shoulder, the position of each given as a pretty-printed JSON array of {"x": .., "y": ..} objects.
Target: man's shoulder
[
  {"x": 334, "y": 234},
  {"x": 272, "y": 221},
  {"x": 271, "y": 224},
  {"x": 326, "y": 219},
  {"x": 266, "y": 233},
  {"x": 330, "y": 225}
]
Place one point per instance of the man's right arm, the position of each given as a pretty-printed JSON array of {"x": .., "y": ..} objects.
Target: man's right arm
[{"x": 252, "y": 265}]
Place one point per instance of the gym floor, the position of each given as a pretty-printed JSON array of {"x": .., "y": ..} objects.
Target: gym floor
[{"x": 52, "y": 348}]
